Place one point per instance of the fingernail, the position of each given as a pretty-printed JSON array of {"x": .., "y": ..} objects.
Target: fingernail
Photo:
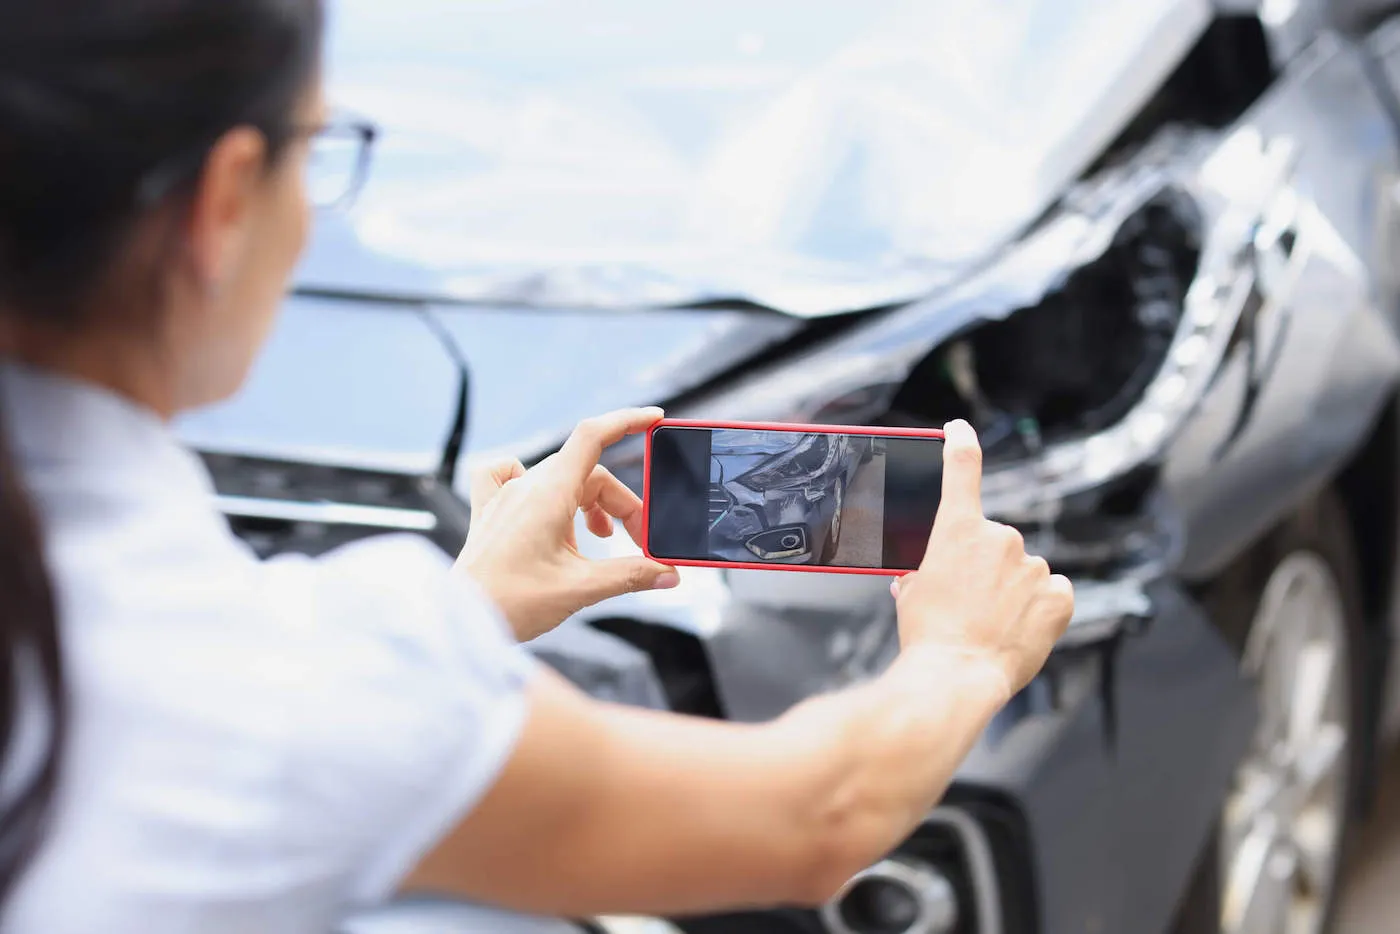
[
  {"x": 655, "y": 410},
  {"x": 894, "y": 588},
  {"x": 666, "y": 580}
]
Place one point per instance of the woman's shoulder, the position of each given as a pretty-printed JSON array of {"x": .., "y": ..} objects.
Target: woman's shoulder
[
  {"x": 424, "y": 692},
  {"x": 322, "y": 720},
  {"x": 399, "y": 590}
]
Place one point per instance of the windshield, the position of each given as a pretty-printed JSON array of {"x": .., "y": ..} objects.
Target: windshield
[{"x": 809, "y": 155}]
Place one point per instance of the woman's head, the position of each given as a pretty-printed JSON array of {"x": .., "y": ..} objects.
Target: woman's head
[
  {"x": 151, "y": 198},
  {"x": 151, "y": 209}
]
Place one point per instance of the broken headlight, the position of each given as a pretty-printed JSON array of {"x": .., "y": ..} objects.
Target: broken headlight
[
  {"x": 812, "y": 456},
  {"x": 1077, "y": 357},
  {"x": 1079, "y": 360}
]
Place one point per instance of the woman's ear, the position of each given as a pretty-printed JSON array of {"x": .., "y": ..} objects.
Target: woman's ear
[{"x": 220, "y": 212}]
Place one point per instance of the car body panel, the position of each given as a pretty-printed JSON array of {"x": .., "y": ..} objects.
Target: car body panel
[
  {"x": 384, "y": 389},
  {"x": 1327, "y": 358},
  {"x": 349, "y": 383},
  {"x": 756, "y": 513},
  {"x": 1386, "y": 45},
  {"x": 1120, "y": 799},
  {"x": 535, "y": 374}
]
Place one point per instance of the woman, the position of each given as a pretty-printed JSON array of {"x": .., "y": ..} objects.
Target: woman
[{"x": 197, "y": 741}]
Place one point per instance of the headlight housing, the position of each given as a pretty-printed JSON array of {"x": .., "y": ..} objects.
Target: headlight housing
[
  {"x": 810, "y": 458},
  {"x": 1080, "y": 354}
]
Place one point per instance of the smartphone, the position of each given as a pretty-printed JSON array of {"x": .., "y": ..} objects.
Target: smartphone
[{"x": 790, "y": 497}]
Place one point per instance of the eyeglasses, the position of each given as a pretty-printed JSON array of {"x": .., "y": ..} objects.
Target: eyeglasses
[
  {"x": 336, "y": 166},
  {"x": 338, "y": 163}
]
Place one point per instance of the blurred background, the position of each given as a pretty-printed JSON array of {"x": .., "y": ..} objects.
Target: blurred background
[{"x": 1147, "y": 248}]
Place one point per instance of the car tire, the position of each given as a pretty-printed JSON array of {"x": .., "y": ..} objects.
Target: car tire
[
  {"x": 833, "y": 530},
  {"x": 1317, "y": 537}
]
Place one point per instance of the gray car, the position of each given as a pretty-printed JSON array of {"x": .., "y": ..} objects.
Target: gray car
[
  {"x": 1147, "y": 248},
  {"x": 778, "y": 497}
]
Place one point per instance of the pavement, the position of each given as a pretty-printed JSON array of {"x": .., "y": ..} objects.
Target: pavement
[
  {"x": 1371, "y": 893},
  {"x": 862, "y": 543}
]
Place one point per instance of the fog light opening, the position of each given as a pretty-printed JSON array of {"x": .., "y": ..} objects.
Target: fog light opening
[
  {"x": 880, "y": 906},
  {"x": 778, "y": 544},
  {"x": 894, "y": 897}
]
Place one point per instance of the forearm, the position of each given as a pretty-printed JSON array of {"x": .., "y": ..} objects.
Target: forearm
[
  {"x": 881, "y": 755},
  {"x": 604, "y": 809},
  {"x": 789, "y": 810}
]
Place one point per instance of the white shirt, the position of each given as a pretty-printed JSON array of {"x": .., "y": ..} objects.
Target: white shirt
[{"x": 254, "y": 746}]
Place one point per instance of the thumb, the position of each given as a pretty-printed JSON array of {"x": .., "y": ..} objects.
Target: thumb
[
  {"x": 487, "y": 481},
  {"x": 962, "y": 472},
  {"x": 612, "y": 577}
]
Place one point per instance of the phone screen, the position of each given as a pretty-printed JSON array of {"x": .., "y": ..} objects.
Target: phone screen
[{"x": 764, "y": 496}]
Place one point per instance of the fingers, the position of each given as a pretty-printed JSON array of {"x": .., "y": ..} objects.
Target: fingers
[
  {"x": 593, "y": 435},
  {"x": 487, "y": 481},
  {"x": 603, "y": 491},
  {"x": 616, "y": 576},
  {"x": 599, "y": 522},
  {"x": 1050, "y": 612},
  {"x": 1059, "y": 595},
  {"x": 962, "y": 472}
]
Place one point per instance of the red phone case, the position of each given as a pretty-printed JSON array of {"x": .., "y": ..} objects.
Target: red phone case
[{"x": 768, "y": 426}]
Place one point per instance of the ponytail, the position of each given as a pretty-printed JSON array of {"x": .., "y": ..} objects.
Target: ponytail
[{"x": 31, "y": 673}]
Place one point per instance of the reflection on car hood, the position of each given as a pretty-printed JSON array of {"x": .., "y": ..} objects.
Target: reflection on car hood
[
  {"x": 376, "y": 385},
  {"x": 629, "y": 153}
]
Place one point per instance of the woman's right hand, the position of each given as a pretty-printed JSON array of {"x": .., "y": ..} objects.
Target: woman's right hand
[
  {"x": 657, "y": 814},
  {"x": 977, "y": 594}
]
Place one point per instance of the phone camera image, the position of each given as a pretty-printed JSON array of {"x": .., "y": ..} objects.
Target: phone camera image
[
  {"x": 766, "y": 497},
  {"x": 796, "y": 498}
]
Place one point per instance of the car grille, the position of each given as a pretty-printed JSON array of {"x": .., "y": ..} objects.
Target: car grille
[
  {"x": 720, "y": 503},
  {"x": 280, "y": 506}
]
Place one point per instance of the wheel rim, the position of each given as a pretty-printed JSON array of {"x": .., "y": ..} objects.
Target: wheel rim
[{"x": 1283, "y": 819}]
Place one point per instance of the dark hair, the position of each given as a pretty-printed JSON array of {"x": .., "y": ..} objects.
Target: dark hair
[{"x": 108, "y": 109}]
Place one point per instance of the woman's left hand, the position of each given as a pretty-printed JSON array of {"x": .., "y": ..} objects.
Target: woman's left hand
[{"x": 521, "y": 547}]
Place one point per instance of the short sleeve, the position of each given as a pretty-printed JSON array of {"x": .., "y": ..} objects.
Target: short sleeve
[{"x": 414, "y": 698}]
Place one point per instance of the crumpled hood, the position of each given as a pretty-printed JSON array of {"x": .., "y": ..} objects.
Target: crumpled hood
[{"x": 811, "y": 157}]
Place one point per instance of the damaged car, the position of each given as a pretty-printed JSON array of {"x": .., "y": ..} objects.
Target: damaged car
[
  {"x": 1147, "y": 248},
  {"x": 779, "y": 499}
]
